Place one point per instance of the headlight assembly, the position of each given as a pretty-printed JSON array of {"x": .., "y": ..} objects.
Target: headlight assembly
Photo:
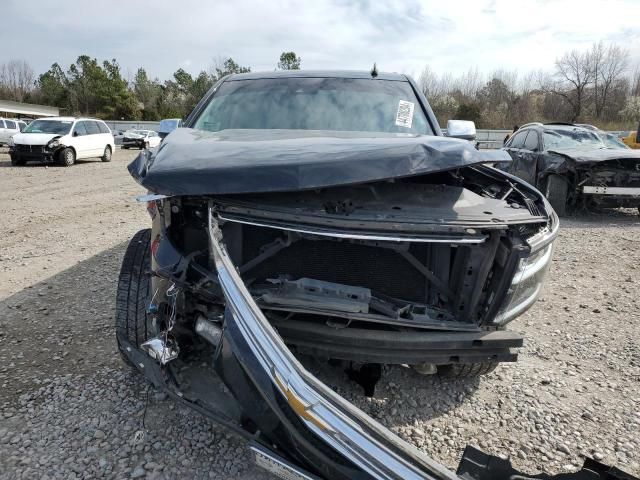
[
  {"x": 11, "y": 143},
  {"x": 53, "y": 144},
  {"x": 529, "y": 277}
]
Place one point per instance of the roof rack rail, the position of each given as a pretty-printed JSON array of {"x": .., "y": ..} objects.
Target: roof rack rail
[
  {"x": 561, "y": 123},
  {"x": 530, "y": 124}
]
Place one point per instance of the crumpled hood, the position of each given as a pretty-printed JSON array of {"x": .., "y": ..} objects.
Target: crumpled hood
[
  {"x": 194, "y": 162},
  {"x": 592, "y": 155},
  {"x": 132, "y": 135},
  {"x": 34, "y": 138}
]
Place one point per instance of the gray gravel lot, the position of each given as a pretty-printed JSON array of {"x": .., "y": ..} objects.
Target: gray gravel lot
[{"x": 70, "y": 409}]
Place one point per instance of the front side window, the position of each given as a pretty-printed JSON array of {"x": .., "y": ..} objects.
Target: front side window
[
  {"x": 58, "y": 127},
  {"x": 518, "y": 140},
  {"x": 80, "y": 129},
  {"x": 531, "y": 143},
  {"x": 329, "y": 104}
]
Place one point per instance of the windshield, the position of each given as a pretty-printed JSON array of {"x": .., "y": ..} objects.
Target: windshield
[
  {"x": 335, "y": 104},
  {"x": 571, "y": 138},
  {"x": 59, "y": 127},
  {"x": 611, "y": 141}
]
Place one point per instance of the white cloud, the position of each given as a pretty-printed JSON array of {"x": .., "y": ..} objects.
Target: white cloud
[{"x": 400, "y": 36}]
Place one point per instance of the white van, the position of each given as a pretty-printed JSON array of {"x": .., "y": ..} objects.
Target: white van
[
  {"x": 63, "y": 140},
  {"x": 9, "y": 127}
]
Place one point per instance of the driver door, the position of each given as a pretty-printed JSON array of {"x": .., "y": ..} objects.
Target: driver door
[
  {"x": 514, "y": 149},
  {"x": 81, "y": 140},
  {"x": 527, "y": 162}
]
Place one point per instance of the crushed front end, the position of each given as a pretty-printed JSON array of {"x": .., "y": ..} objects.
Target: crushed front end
[{"x": 611, "y": 183}]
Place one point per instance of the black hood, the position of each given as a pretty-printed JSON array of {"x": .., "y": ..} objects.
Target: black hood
[
  {"x": 595, "y": 155},
  {"x": 194, "y": 162}
]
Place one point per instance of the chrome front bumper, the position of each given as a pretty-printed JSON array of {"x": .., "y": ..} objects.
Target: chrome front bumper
[{"x": 336, "y": 422}]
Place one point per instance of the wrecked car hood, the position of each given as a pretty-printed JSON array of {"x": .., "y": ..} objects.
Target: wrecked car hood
[
  {"x": 592, "y": 155},
  {"x": 194, "y": 162},
  {"x": 34, "y": 138}
]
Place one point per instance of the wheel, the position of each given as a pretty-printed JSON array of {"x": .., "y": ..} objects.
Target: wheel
[
  {"x": 132, "y": 320},
  {"x": 106, "y": 157},
  {"x": 67, "y": 157},
  {"x": 556, "y": 190},
  {"x": 466, "y": 370},
  {"x": 17, "y": 162}
]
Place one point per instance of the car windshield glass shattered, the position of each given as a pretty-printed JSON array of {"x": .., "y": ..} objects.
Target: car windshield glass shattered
[
  {"x": 59, "y": 127},
  {"x": 611, "y": 141},
  {"x": 333, "y": 104},
  {"x": 571, "y": 138}
]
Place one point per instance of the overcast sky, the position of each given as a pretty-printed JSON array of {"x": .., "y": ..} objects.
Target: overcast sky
[{"x": 448, "y": 35}]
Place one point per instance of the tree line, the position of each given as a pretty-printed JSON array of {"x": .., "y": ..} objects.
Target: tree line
[
  {"x": 88, "y": 87},
  {"x": 594, "y": 86}
]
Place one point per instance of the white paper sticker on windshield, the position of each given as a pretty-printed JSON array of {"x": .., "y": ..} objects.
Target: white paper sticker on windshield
[{"x": 404, "y": 117}]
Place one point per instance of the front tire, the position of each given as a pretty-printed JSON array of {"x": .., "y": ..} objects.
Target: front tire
[
  {"x": 466, "y": 370},
  {"x": 133, "y": 323},
  {"x": 556, "y": 190},
  {"x": 67, "y": 157},
  {"x": 106, "y": 157},
  {"x": 17, "y": 162}
]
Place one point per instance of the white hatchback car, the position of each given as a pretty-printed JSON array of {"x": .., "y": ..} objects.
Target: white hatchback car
[
  {"x": 63, "y": 140},
  {"x": 9, "y": 127}
]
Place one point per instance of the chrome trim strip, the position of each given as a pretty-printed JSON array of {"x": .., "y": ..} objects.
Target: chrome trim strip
[
  {"x": 520, "y": 307},
  {"x": 531, "y": 269},
  {"x": 150, "y": 197},
  {"x": 633, "y": 192},
  {"x": 316, "y": 404},
  {"x": 356, "y": 236},
  {"x": 268, "y": 461}
]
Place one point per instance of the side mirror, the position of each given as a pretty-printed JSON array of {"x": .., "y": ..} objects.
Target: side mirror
[
  {"x": 464, "y": 129},
  {"x": 75, "y": 133}
]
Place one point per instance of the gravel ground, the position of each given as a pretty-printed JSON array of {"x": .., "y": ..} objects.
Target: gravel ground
[{"x": 70, "y": 409}]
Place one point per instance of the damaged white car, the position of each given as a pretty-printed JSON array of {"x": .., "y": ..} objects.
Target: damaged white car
[{"x": 62, "y": 140}]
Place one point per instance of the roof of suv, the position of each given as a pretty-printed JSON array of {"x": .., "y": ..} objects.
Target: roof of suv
[{"x": 360, "y": 74}]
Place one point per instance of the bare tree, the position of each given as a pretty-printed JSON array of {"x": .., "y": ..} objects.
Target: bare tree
[
  {"x": 574, "y": 74},
  {"x": 16, "y": 79},
  {"x": 470, "y": 82},
  {"x": 609, "y": 73},
  {"x": 635, "y": 82}
]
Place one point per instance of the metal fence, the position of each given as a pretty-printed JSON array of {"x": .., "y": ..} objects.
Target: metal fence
[{"x": 124, "y": 125}]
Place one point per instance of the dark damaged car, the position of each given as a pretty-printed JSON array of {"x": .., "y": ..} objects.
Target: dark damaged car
[
  {"x": 575, "y": 166},
  {"x": 324, "y": 214}
]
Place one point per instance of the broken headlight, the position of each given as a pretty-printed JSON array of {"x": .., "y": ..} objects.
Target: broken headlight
[
  {"x": 53, "y": 144},
  {"x": 529, "y": 277}
]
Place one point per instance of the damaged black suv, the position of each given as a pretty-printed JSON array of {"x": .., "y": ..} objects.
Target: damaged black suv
[
  {"x": 574, "y": 166},
  {"x": 323, "y": 213}
]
